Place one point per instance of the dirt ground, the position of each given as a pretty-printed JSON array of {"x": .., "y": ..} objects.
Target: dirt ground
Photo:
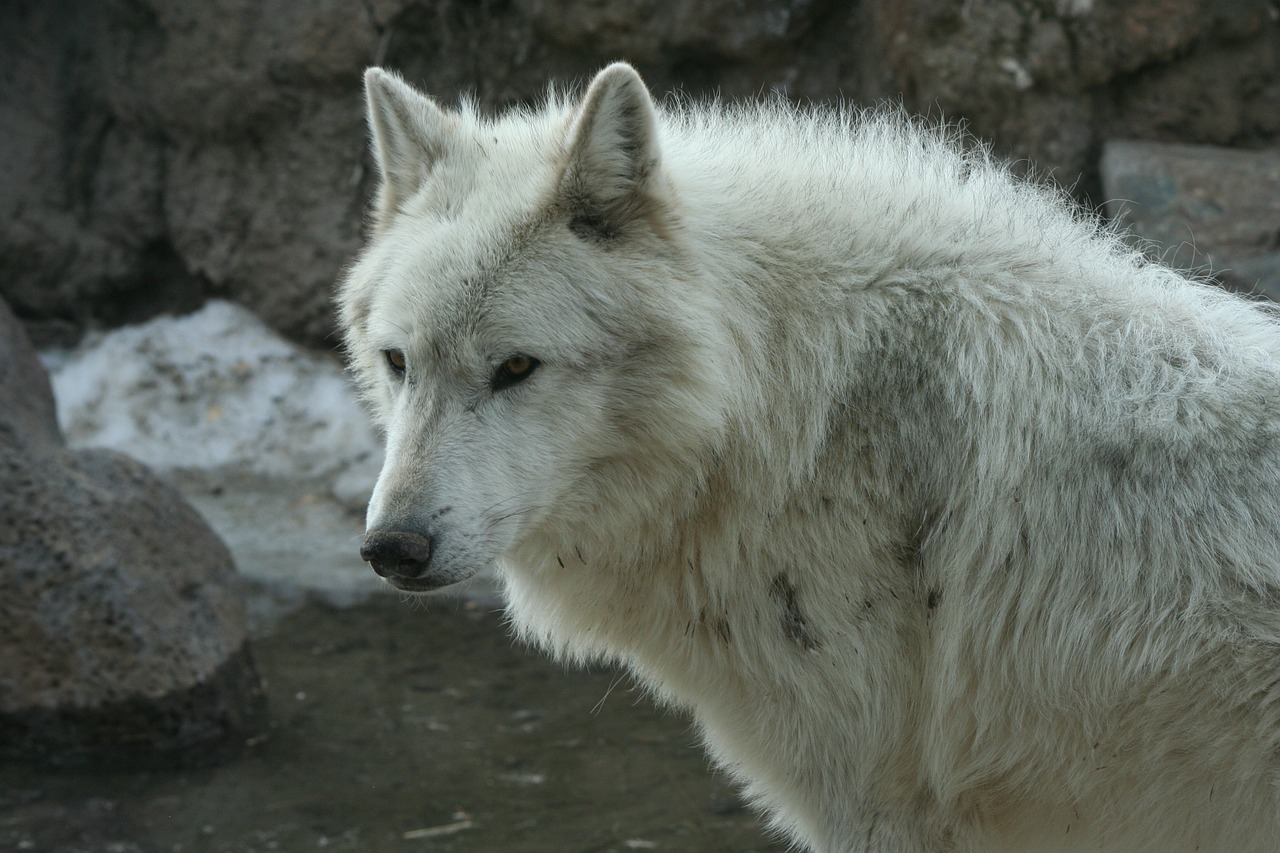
[{"x": 408, "y": 728}]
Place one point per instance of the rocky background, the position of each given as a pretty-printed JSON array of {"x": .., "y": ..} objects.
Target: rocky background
[{"x": 156, "y": 153}]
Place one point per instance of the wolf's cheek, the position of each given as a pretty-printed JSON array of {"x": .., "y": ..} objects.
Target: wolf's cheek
[{"x": 532, "y": 451}]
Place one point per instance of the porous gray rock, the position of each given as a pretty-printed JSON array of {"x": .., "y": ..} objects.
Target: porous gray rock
[
  {"x": 1048, "y": 80},
  {"x": 649, "y": 30},
  {"x": 123, "y": 617},
  {"x": 1199, "y": 207}
]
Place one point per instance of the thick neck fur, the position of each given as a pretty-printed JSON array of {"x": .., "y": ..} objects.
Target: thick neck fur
[
  {"x": 676, "y": 576},
  {"x": 688, "y": 569}
]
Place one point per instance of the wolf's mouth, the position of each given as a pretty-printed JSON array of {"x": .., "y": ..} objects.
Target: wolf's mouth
[{"x": 416, "y": 584}]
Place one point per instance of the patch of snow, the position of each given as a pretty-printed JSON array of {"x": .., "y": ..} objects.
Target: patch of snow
[{"x": 216, "y": 388}]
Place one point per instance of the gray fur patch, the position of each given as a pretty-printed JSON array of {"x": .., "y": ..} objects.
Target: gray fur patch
[
  {"x": 592, "y": 226},
  {"x": 794, "y": 625}
]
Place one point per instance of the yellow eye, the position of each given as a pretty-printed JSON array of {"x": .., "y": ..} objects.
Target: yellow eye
[
  {"x": 512, "y": 371},
  {"x": 517, "y": 366},
  {"x": 395, "y": 359}
]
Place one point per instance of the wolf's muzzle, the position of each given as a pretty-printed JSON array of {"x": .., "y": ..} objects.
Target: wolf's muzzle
[{"x": 397, "y": 554}]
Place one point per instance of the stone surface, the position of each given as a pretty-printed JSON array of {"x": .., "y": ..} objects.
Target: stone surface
[
  {"x": 649, "y": 30},
  {"x": 1208, "y": 209},
  {"x": 160, "y": 152},
  {"x": 29, "y": 414},
  {"x": 1049, "y": 80},
  {"x": 122, "y": 621}
]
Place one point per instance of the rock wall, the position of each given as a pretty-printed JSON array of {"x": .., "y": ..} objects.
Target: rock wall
[{"x": 159, "y": 152}]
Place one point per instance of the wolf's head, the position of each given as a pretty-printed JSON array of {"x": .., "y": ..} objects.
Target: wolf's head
[{"x": 528, "y": 327}]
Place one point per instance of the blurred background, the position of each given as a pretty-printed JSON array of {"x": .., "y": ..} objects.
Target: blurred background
[{"x": 194, "y": 657}]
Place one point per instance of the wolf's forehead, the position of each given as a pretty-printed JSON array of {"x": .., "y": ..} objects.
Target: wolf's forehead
[
  {"x": 436, "y": 259},
  {"x": 495, "y": 170},
  {"x": 434, "y": 283}
]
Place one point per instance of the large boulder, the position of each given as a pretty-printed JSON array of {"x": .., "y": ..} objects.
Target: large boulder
[{"x": 123, "y": 618}]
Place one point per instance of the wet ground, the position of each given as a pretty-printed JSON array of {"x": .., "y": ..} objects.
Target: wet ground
[{"x": 402, "y": 727}]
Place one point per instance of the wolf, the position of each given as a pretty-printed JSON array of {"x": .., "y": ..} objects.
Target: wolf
[{"x": 952, "y": 518}]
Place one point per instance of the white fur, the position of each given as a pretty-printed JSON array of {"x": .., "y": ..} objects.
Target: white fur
[{"x": 954, "y": 521}]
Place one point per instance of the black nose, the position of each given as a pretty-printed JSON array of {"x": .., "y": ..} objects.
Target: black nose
[{"x": 401, "y": 553}]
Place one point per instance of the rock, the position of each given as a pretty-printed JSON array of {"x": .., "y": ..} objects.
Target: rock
[
  {"x": 29, "y": 413},
  {"x": 122, "y": 201},
  {"x": 123, "y": 616},
  {"x": 1048, "y": 81},
  {"x": 1204, "y": 208},
  {"x": 643, "y": 31}
]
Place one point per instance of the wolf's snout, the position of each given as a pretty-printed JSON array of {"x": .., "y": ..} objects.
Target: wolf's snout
[{"x": 397, "y": 553}]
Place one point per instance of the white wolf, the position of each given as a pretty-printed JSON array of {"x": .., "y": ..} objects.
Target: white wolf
[{"x": 954, "y": 521}]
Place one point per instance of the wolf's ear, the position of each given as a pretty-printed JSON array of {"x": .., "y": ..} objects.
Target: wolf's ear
[
  {"x": 612, "y": 171},
  {"x": 410, "y": 133}
]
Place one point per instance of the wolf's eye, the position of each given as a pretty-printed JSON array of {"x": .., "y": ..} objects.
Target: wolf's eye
[
  {"x": 395, "y": 360},
  {"x": 512, "y": 371}
]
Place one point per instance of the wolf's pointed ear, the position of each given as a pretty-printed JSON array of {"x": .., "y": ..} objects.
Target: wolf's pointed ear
[
  {"x": 613, "y": 159},
  {"x": 410, "y": 133}
]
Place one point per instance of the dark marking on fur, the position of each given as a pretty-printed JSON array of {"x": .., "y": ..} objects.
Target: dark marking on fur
[
  {"x": 794, "y": 625},
  {"x": 907, "y": 553},
  {"x": 715, "y": 625},
  {"x": 1116, "y": 458},
  {"x": 592, "y": 226},
  {"x": 935, "y": 598}
]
